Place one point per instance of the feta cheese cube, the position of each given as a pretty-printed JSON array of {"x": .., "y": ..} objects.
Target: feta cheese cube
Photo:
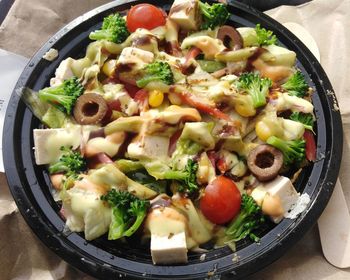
[
  {"x": 168, "y": 235},
  {"x": 169, "y": 249},
  {"x": 185, "y": 13},
  {"x": 149, "y": 146},
  {"x": 283, "y": 189},
  {"x": 47, "y": 143}
]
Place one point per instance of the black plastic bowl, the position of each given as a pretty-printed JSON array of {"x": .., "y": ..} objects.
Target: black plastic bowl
[{"x": 29, "y": 183}]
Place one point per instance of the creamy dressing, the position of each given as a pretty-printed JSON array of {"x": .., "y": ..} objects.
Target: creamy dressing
[
  {"x": 100, "y": 144},
  {"x": 165, "y": 221},
  {"x": 196, "y": 229},
  {"x": 208, "y": 45}
]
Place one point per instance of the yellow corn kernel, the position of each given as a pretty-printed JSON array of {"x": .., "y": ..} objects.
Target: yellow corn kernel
[
  {"x": 263, "y": 131},
  {"x": 244, "y": 106},
  {"x": 108, "y": 67},
  {"x": 155, "y": 98},
  {"x": 245, "y": 110}
]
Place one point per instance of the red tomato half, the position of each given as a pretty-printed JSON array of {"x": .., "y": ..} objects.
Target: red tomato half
[
  {"x": 144, "y": 16},
  {"x": 221, "y": 201}
]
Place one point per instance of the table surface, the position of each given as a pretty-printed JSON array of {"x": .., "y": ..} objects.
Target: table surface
[
  {"x": 23, "y": 256},
  {"x": 5, "y": 5}
]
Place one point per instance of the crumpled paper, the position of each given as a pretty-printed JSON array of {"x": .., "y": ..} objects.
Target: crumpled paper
[{"x": 30, "y": 23}]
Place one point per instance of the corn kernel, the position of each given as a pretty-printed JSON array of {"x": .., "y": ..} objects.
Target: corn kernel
[
  {"x": 155, "y": 98},
  {"x": 244, "y": 106},
  {"x": 108, "y": 67},
  {"x": 245, "y": 110},
  {"x": 263, "y": 131}
]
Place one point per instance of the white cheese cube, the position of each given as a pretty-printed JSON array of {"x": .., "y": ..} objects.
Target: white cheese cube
[
  {"x": 280, "y": 187},
  {"x": 84, "y": 208},
  {"x": 169, "y": 249},
  {"x": 47, "y": 143},
  {"x": 167, "y": 227},
  {"x": 63, "y": 72},
  {"x": 149, "y": 146},
  {"x": 185, "y": 13}
]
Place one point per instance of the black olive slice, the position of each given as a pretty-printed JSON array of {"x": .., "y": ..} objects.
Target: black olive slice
[
  {"x": 265, "y": 162},
  {"x": 90, "y": 108},
  {"x": 230, "y": 37}
]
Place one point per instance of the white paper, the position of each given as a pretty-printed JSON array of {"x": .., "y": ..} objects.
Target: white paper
[{"x": 11, "y": 66}]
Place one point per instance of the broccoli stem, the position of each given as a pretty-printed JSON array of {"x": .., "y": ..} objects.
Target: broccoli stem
[
  {"x": 293, "y": 151},
  {"x": 146, "y": 80},
  {"x": 117, "y": 226},
  {"x": 139, "y": 219},
  {"x": 259, "y": 98},
  {"x": 236, "y": 223},
  {"x": 58, "y": 167},
  {"x": 204, "y": 7},
  {"x": 101, "y": 35},
  {"x": 175, "y": 175}
]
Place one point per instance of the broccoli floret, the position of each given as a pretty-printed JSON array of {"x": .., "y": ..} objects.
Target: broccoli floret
[
  {"x": 113, "y": 29},
  {"x": 187, "y": 177},
  {"x": 306, "y": 119},
  {"x": 71, "y": 163},
  {"x": 128, "y": 213},
  {"x": 296, "y": 85},
  {"x": 63, "y": 96},
  {"x": 213, "y": 15},
  {"x": 293, "y": 150},
  {"x": 157, "y": 71},
  {"x": 255, "y": 86},
  {"x": 248, "y": 220},
  {"x": 265, "y": 37}
]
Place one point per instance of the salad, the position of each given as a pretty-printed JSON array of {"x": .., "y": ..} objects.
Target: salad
[{"x": 176, "y": 129}]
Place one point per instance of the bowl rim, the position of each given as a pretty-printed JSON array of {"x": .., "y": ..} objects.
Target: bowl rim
[{"x": 23, "y": 185}]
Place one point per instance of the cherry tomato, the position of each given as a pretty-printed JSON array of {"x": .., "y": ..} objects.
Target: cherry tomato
[
  {"x": 310, "y": 145},
  {"x": 221, "y": 201},
  {"x": 144, "y": 16}
]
